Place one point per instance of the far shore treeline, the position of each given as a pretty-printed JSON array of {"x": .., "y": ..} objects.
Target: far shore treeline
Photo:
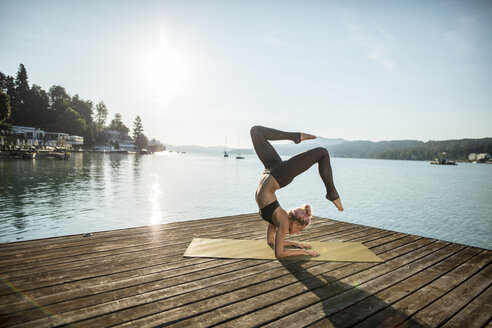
[
  {"x": 413, "y": 149},
  {"x": 58, "y": 111},
  {"x": 394, "y": 149}
]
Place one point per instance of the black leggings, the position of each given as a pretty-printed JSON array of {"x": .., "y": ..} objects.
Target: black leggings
[{"x": 285, "y": 171}]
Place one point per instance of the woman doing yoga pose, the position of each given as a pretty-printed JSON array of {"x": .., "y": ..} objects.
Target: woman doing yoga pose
[{"x": 280, "y": 173}]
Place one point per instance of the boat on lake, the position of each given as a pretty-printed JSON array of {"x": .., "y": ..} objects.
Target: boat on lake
[
  {"x": 145, "y": 152},
  {"x": 238, "y": 156},
  {"x": 225, "y": 154},
  {"x": 442, "y": 160},
  {"x": 445, "y": 162},
  {"x": 35, "y": 153}
]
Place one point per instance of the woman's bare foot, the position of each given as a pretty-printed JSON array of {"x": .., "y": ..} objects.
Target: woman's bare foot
[
  {"x": 305, "y": 136},
  {"x": 338, "y": 204}
]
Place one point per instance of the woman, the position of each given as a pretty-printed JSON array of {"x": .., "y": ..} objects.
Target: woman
[{"x": 277, "y": 175}]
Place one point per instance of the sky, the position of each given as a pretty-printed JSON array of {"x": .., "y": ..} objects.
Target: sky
[{"x": 198, "y": 72}]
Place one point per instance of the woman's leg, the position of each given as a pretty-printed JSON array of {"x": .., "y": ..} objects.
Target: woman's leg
[
  {"x": 265, "y": 151},
  {"x": 296, "y": 165}
]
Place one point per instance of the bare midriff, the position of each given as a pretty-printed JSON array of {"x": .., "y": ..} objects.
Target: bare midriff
[{"x": 265, "y": 193}]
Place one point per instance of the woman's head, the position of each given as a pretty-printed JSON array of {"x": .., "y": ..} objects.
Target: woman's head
[{"x": 299, "y": 218}]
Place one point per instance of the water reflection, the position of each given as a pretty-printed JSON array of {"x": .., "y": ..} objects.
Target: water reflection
[
  {"x": 154, "y": 196},
  {"x": 136, "y": 167}
]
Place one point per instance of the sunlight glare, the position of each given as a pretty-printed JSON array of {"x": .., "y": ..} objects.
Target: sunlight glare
[
  {"x": 164, "y": 69},
  {"x": 154, "y": 202}
]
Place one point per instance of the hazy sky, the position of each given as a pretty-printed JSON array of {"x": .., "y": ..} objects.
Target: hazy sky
[{"x": 196, "y": 71}]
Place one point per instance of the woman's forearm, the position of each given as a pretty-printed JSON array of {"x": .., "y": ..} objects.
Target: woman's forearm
[
  {"x": 291, "y": 243},
  {"x": 290, "y": 252},
  {"x": 295, "y": 244}
]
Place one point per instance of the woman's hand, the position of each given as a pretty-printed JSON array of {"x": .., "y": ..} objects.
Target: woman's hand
[
  {"x": 303, "y": 246},
  {"x": 311, "y": 253}
]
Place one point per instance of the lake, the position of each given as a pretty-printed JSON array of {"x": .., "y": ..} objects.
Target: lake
[{"x": 94, "y": 192}]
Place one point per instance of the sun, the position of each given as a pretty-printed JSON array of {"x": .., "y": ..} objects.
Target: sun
[{"x": 164, "y": 70}]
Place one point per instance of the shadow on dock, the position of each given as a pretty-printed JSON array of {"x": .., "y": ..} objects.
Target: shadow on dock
[{"x": 336, "y": 296}]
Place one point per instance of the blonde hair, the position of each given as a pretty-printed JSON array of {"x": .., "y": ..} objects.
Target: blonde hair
[{"x": 301, "y": 215}]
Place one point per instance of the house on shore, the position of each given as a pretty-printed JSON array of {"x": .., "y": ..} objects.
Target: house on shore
[
  {"x": 37, "y": 137},
  {"x": 124, "y": 141},
  {"x": 480, "y": 158}
]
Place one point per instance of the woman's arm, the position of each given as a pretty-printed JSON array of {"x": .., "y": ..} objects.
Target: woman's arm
[
  {"x": 271, "y": 231},
  {"x": 280, "y": 243}
]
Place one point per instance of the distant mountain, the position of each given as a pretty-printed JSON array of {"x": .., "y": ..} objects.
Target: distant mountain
[
  {"x": 412, "y": 149},
  {"x": 396, "y": 149},
  {"x": 369, "y": 149},
  {"x": 283, "y": 149},
  {"x": 292, "y": 148}
]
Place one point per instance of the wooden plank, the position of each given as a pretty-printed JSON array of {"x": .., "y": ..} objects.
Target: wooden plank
[
  {"x": 259, "y": 286},
  {"x": 63, "y": 241},
  {"x": 344, "y": 291},
  {"x": 137, "y": 277},
  {"x": 383, "y": 299},
  {"x": 18, "y": 270},
  {"x": 476, "y": 314},
  {"x": 73, "y": 272},
  {"x": 33, "y": 260},
  {"x": 448, "y": 305},
  {"x": 72, "y": 289},
  {"x": 288, "y": 284},
  {"x": 94, "y": 245},
  {"x": 184, "y": 241},
  {"x": 182, "y": 250},
  {"x": 120, "y": 302},
  {"x": 407, "y": 306}
]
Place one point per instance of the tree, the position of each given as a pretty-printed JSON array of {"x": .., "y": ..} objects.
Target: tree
[
  {"x": 7, "y": 85},
  {"x": 139, "y": 138},
  {"x": 117, "y": 125},
  {"x": 83, "y": 107},
  {"x": 4, "y": 82},
  {"x": 4, "y": 107},
  {"x": 71, "y": 122},
  {"x": 59, "y": 101},
  {"x": 101, "y": 115},
  {"x": 20, "y": 100},
  {"x": 21, "y": 80},
  {"x": 39, "y": 103},
  {"x": 137, "y": 127}
]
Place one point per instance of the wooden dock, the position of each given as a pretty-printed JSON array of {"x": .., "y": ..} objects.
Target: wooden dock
[{"x": 138, "y": 278}]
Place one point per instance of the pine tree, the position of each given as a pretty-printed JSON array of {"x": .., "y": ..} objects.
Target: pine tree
[
  {"x": 20, "y": 99},
  {"x": 101, "y": 115},
  {"x": 21, "y": 81},
  {"x": 139, "y": 138}
]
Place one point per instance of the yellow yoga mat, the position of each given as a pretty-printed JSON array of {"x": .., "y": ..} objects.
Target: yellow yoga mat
[{"x": 259, "y": 249}]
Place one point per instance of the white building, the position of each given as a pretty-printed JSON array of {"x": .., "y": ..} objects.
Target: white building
[
  {"x": 32, "y": 136},
  {"x": 75, "y": 141},
  {"x": 52, "y": 138},
  {"x": 103, "y": 147},
  {"x": 35, "y": 137},
  {"x": 483, "y": 156},
  {"x": 126, "y": 142}
]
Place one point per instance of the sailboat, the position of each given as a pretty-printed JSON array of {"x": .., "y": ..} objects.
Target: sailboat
[
  {"x": 238, "y": 154},
  {"x": 225, "y": 153}
]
